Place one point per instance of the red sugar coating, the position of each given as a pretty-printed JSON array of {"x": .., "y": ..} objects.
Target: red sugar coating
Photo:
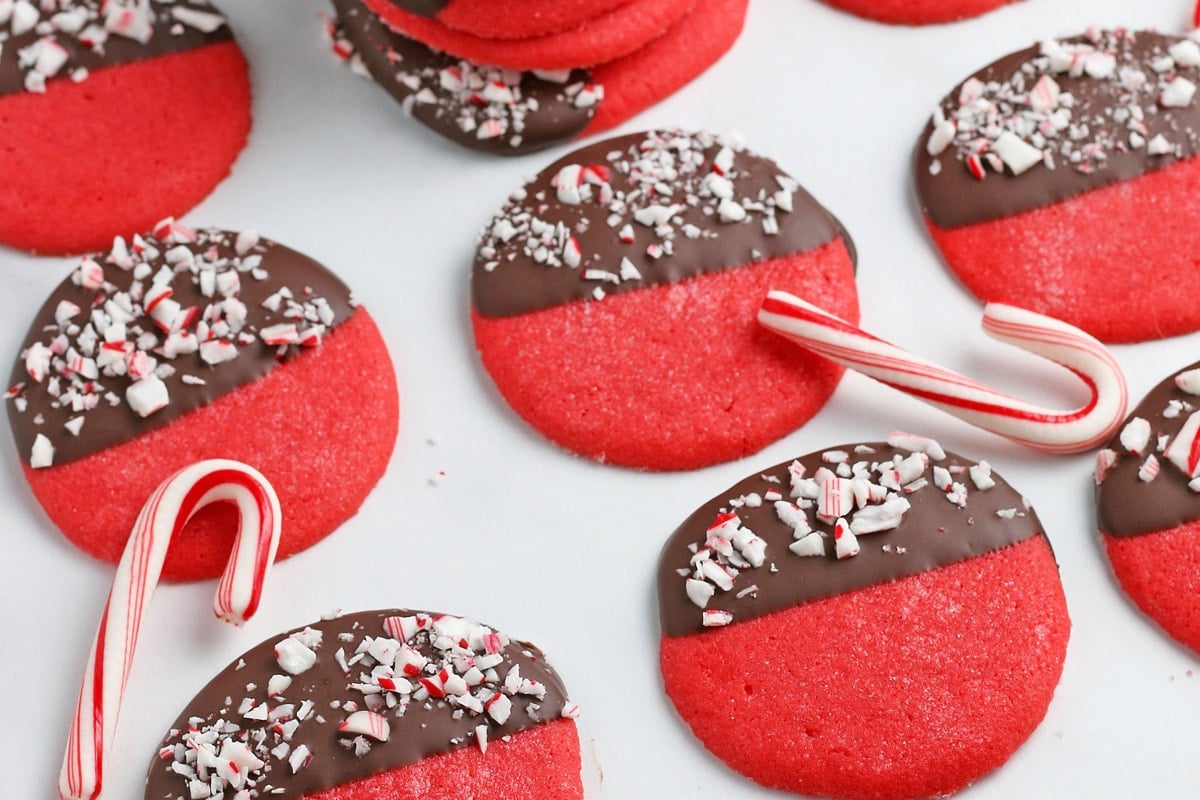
[
  {"x": 917, "y": 12},
  {"x": 641, "y": 79},
  {"x": 1161, "y": 574},
  {"x": 671, "y": 377},
  {"x": 540, "y": 763},
  {"x": 121, "y": 175},
  {"x": 908, "y": 689},
  {"x": 520, "y": 19},
  {"x": 1122, "y": 262},
  {"x": 321, "y": 429},
  {"x": 602, "y": 38}
]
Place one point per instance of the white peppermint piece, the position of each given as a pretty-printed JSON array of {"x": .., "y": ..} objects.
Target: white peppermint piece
[
  {"x": 916, "y": 444},
  {"x": 845, "y": 542},
  {"x": 1189, "y": 381},
  {"x": 1184, "y": 450},
  {"x": 1016, "y": 153},
  {"x": 715, "y": 619},
  {"x": 1177, "y": 94},
  {"x": 699, "y": 592},
  {"x": 1135, "y": 436},
  {"x": 884, "y": 517},
  {"x": 792, "y": 516},
  {"x": 1186, "y": 53},
  {"x": 981, "y": 476},
  {"x": 943, "y": 134},
  {"x": 42, "y": 452},
  {"x": 293, "y": 656},
  {"x": 147, "y": 395},
  {"x": 811, "y": 545},
  {"x": 366, "y": 723}
]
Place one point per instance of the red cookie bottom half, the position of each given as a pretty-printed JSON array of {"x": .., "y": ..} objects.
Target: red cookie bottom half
[
  {"x": 1160, "y": 572},
  {"x": 917, "y": 12},
  {"x": 639, "y": 80},
  {"x": 541, "y": 763},
  {"x": 1122, "y": 262},
  {"x": 321, "y": 428},
  {"x": 671, "y": 377},
  {"x": 120, "y": 150},
  {"x": 521, "y": 19},
  {"x": 908, "y": 689}
]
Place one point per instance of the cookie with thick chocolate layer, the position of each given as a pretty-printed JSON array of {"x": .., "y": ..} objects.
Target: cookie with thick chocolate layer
[
  {"x": 917, "y": 12},
  {"x": 603, "y": 37},
  {"x": 510, "y": 111},
  {"x": 1057, "y": 167},
  {"x": 72, "y": 76},
  {"x": 394, "y": 704},
  {"x": 879, "y": 620},
  {"x": 614, "y": 300},
  {"x": 1148, "y": 505},
  {"x": 183, "y": 345}
]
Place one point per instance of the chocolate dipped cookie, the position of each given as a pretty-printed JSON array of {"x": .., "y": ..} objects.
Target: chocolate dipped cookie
[
  {"x": 852, "y": 624},
  {"x": 91, "y": 149},
  {"x": 614, "y": 299},
  {"x": 183, "y": 345},
  {"x": 1055, "y": 169},
  {"x": 1148, "y": 505},
  {"x": 392, "y": 704}
]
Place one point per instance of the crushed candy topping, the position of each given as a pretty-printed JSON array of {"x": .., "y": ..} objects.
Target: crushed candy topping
[
  {"x": 1028, "y": 121},
  {"x": 1152, "y": 441}
]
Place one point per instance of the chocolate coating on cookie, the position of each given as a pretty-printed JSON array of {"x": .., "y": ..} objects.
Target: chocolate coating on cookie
[
  {"x": 428, "y": 709},
  {"x": 953, "y": 514},
  {"x": 1069, "y": 116},
  {"x": 72, "y": 37},
  {"x": 199, "y": 313},
  {"x": 640, "y": 210},
  {"x": 495, "y": 110},
  {"x": 1143, "y": 475}
]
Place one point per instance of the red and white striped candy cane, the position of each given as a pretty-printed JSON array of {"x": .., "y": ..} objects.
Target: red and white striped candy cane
[
  {"x": 1070, "y": 431},
  {"x": 237, "y": 598}
]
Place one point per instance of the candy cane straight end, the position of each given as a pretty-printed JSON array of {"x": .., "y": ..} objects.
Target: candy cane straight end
[
  {"x": 1055, "y": 431},
  {"x": 237, "y": 598}
]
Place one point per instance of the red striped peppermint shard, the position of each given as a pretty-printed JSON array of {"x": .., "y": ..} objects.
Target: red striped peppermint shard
[
  {"x": 1070, "y": 431},
  {"x": 238, "y": 593}
]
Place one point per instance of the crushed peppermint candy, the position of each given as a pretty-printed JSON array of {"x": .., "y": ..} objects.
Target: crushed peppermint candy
[
  {"x": 847, "y": 505},
  {"x": 480, "y": 106},
  {"x": 165, "y": 321},
  {"x": 431, "y": 682},
  {"x": 1072, "y": 103},
  {"x": 72, "y": 38}
]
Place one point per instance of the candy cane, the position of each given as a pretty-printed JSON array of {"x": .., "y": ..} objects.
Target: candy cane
[
  {"x": 164, "y": 515},
  {"x": 1046, "y": 429}
]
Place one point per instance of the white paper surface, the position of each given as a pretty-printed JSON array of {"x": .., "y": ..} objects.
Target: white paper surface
[{"x": 563, "y": 551}]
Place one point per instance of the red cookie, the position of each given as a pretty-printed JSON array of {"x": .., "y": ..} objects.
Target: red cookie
[
  {"x": 75, "y": 89},
  {"x": 614, "y": 300},
  {"x": 188, "y": 346},
  {"x": 1056, "y": 167},
  {"x": 394, "y": 704},
  {"x": 1148, "y": 505},
  {"x": 917, "y": 12},
  {"x": 514, "y": 19},
  {"x": 509, "y": 112},
  {"x": 864, "y": 622},
  {"x": 601, "y": 38}
]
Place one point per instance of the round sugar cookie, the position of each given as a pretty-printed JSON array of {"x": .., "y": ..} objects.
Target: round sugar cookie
[
  {"x": 510, "y": 112},
  {"x": 185, "y": 345},
  {"x": 614, "y": 300},
  {"x": 601, "y": 38},
  {"x": 879, "y": 621},
  {"x": 917, "y": 12},
  {"x": 514, "y": 19},
  {"x": 1058, "y": 166},
  {"x": 395, "y": 704},
  {"x": 75, "y": 172},
  {"x": 1148, "y": 505}
]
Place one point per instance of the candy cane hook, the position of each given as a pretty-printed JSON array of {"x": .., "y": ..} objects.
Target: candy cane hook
[
  {"x": 1046, "y": 429},
  {"x": 164, "y": 515}
]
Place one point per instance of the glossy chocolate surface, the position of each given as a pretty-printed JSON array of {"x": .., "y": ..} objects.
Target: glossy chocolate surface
[
  {"x": 1127, "y": 505},
  {"x": 426, "y": 726},
  {"x": 664, "y": 202},
  {"x": 65, "y": 394},
  {"x": 1107, "y": 116},
  {"x": 933, "y": 532},
  {"x": 500, "y": 111}
]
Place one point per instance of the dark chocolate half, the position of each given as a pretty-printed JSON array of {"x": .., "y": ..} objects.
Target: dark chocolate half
[
  {"x": 295, "y": 732},
  {"x": 644, "y": 209},
  {"x": 91, "y": 39},
  {"x": 76, "y": 342},
  {"x": 1115, "y": 127},
  {"x": 495, "y": 110},
  {"x": 1131, "y": 500},
  {"x": 951, "y": 518}
]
